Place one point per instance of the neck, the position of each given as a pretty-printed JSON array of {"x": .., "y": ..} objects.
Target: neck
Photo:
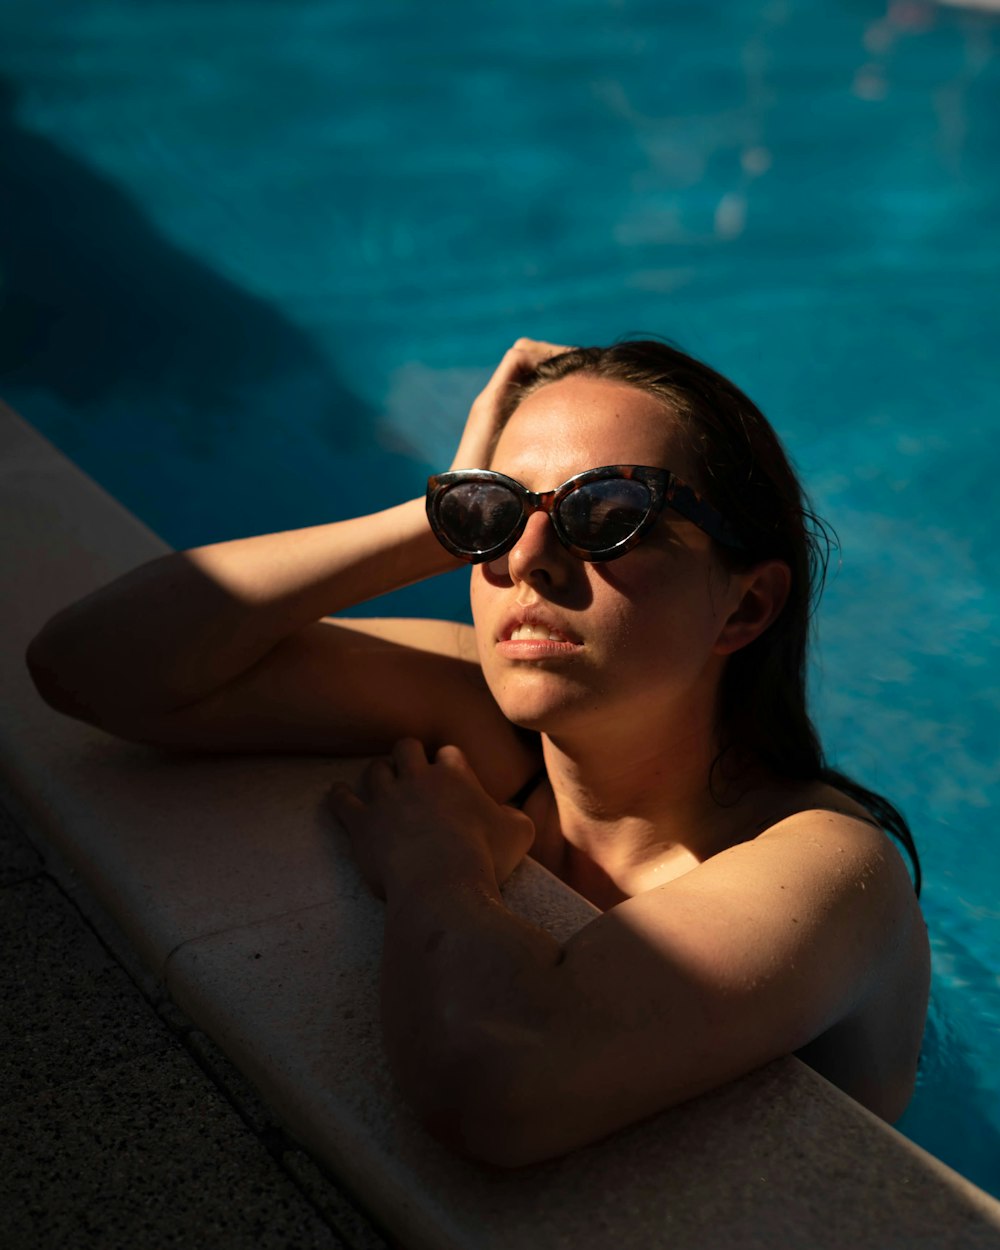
[{"x": 625, "y": 802}]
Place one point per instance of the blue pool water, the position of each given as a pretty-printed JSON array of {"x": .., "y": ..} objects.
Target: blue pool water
[{"x": 255, "y": 259}]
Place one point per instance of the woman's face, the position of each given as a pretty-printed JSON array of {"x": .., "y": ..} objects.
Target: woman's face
[{"x": 631, "y": 641}]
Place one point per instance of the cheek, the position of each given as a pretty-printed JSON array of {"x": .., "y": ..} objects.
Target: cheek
[
  {"x": 480, "y": 595},
  {"x": 476, "y": 589},
  {"x": 660, "y": 613}
]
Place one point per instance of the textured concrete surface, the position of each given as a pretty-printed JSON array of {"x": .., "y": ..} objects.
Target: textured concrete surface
[
  {"x": 221, "y": 874},
  {"x": 112, "y": 1135},
  {"x": 141, "y": 1153},
  {"x": 64, "y": 998}
]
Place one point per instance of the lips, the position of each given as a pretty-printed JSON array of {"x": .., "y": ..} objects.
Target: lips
[{"x": 536, "y": 632}]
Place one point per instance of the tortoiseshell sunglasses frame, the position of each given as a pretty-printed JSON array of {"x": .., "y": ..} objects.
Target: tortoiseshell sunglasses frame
[{"x": 665, "y": 490}]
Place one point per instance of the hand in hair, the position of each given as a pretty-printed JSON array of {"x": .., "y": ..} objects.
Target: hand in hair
[{"x": 482, "y": 425}]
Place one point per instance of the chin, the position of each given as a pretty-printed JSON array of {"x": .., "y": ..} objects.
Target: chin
[
  {"x": 537, "y": 722},
  {"x": 539, "y": 706}
]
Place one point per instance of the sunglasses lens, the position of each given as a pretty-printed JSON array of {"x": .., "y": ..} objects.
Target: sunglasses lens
[
  {"x": 477, "y": 516},
  {"x": 602, "y": 514}
]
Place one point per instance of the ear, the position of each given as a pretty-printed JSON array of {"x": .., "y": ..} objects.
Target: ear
[{"x": 765, "y": 591}]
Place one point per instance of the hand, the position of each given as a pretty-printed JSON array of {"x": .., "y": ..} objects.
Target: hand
[
  {"x": 416, "y": 817},
  {"x": 482, "y": 426}
]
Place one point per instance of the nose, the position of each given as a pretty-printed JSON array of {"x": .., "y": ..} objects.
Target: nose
[{"x": 538, "y": 555}]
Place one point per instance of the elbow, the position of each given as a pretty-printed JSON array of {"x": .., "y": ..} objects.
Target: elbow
[
  {"x": 74, "y": 679},
  {"x": 68, "y": 672},
  {"x": 49, "y": 660}
]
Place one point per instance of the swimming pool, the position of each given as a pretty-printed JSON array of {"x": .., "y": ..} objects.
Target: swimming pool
[{"x": 255, "y": 260}]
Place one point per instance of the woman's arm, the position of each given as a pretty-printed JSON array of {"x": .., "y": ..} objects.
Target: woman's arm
[
  {"x": 220, "y": 649},
  {"x": 224, "y": 648},
  {"x": 515, "y": 1050},
  {"x": 182, "y": 627}
]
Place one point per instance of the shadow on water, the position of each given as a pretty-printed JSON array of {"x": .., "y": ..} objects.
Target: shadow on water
[
  {"x": 94, "y": 299},
  {"x": 199, "y": 405}
]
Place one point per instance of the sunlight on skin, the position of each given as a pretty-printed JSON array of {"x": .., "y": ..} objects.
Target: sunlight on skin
[{"x": 651, "y": 630}]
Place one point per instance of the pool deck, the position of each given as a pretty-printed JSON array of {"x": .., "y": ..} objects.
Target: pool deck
[{"x": 191, "y": 1030}]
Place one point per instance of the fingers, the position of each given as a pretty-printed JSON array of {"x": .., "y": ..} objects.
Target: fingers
[
  {"x": 539, "y": 348},
  {"x": 409, "y": 756},
  {"x": 453, "y": 756},
  {"x": 344, "y": 803},
  {"x": 522, "y": 358},
  {"x": 407, "y": 760},
  {"x": 483, "y": 424},
  {"x": 378, "y": 777}
]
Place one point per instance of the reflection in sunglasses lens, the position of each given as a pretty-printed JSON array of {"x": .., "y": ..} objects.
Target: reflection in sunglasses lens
[
  {"x": 600, "y": 515},
  {"x": 479, "y": 515}
]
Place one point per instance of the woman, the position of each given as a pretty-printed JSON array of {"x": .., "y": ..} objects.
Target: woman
[{"x": 629, "y": 708}]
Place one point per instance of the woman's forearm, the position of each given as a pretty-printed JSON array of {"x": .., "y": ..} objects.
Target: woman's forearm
[
  {"x": 175, "y": 630},
  {"x": 466, "y": 989}
]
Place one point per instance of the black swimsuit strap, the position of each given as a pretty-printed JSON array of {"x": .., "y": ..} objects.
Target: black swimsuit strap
[{"x": 521, "y": 797}]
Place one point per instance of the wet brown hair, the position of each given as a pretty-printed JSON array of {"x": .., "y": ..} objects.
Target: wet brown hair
[{"x": 745, "y": 472}]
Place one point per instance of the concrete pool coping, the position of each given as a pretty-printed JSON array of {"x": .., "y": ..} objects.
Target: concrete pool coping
[{"x": 216, "y": 882}]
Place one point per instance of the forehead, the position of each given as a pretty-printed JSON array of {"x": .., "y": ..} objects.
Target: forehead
[{"x": 581, "y": 423}]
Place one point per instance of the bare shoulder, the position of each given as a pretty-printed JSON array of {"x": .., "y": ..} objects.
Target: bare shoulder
[
  {"x": 872, "y": 1050},
  {"x": 815, "y": 876},
  {"x": 842, "y": 905},
  {"x": 831, "y": 877},
  {"x": 836, "y": 851}
]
